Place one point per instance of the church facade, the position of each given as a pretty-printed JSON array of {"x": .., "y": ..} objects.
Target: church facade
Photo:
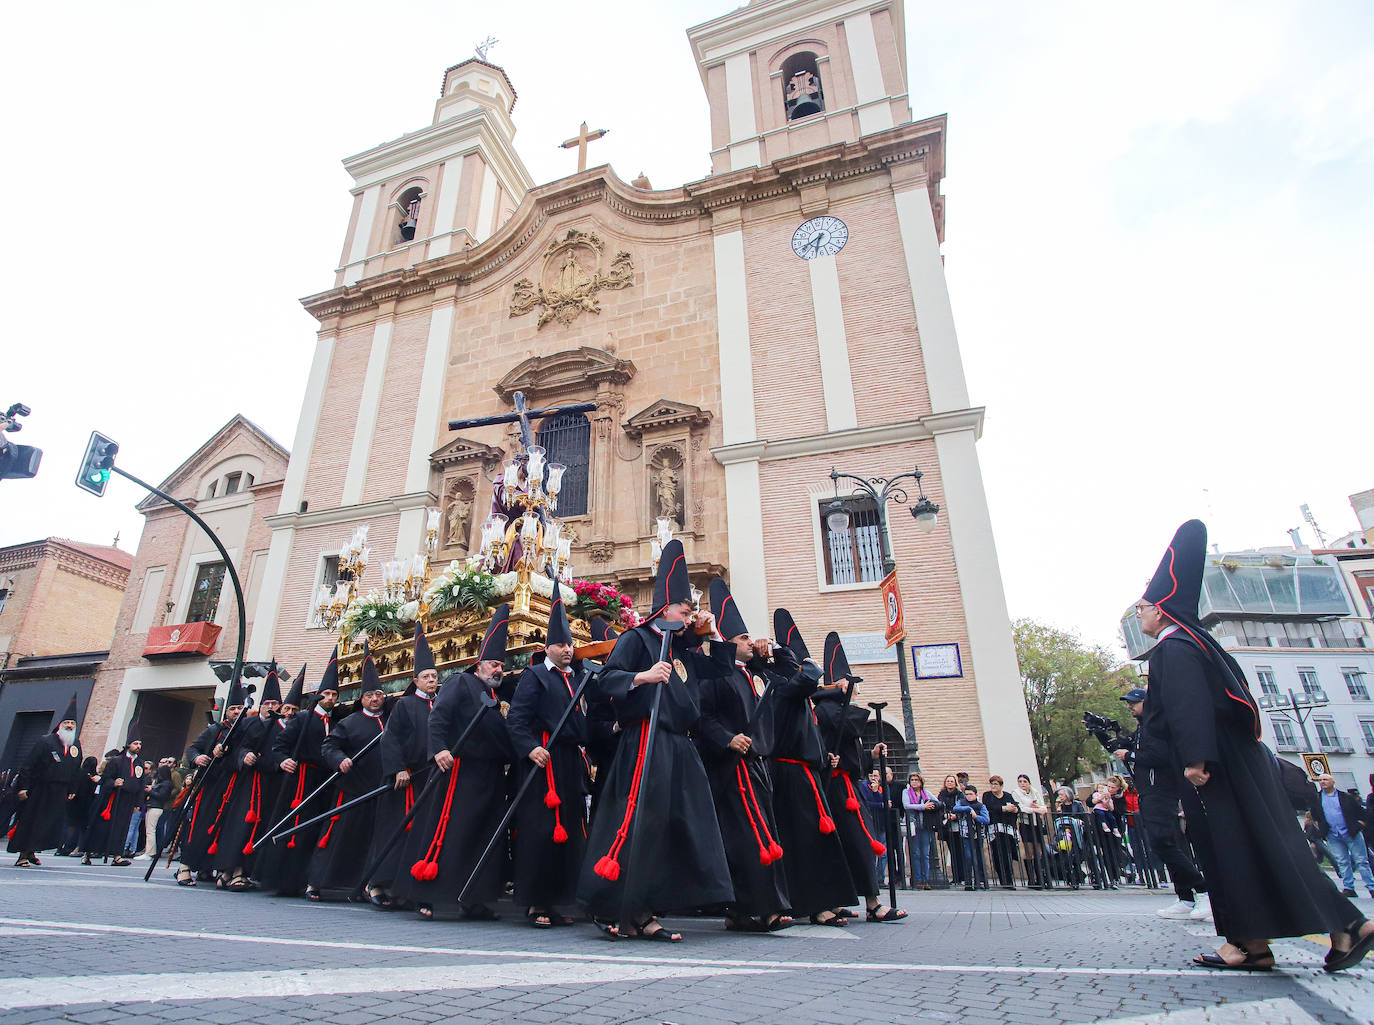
[{"x": 738, "y": 336}]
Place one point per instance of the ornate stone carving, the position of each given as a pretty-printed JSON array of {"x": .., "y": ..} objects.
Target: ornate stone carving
[
  {"x": 564, "y": 374},
  {"x": 458, "y": 515},
  {"x": 600, "y": 551},
  {"x": 664, "y": 414},
  {"x": 667, "y": 486},
  {"x": 571, "y": 278}
]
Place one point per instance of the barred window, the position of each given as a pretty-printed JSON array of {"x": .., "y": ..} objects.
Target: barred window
[
  {"x": 853, "y": 555},
  {"x": 567, "y": 439}
]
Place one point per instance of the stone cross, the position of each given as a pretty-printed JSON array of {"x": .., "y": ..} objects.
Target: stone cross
[{"x": 580, "y": 140}]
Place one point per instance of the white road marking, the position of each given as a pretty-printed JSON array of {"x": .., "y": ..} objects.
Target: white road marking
[
  {"x": 64, "y": 990},
  {"x": 7, "y": 930},
  {"x": 1269, "y": 1012},
  {"x": 808, "y": 931},
  {"x": 625, "y": 958}
]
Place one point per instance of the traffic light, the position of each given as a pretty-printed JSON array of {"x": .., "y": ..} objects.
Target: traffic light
[
  {"x": 95, "y": 467},
  {"x": 16, "y": 460}
]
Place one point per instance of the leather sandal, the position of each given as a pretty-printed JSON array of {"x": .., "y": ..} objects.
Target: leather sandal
[
  {"x": 539, "y": 919},
  {"x": 425, "y": 911},
  {"x": 890, "y": 915},
  {"x": 185, "y": 877},
  {"x": 834, "y": 919},
  {"x": 658, "y": 935},
  {"x": 1251, "y": 963},
  {"x": 1340, "y": 960}
]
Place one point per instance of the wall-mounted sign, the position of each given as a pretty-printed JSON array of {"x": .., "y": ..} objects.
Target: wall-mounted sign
[
  {"x": 892, "y": 608},
  {"x": 937, "y": 661},
  {"x": 867, "y": 649}
]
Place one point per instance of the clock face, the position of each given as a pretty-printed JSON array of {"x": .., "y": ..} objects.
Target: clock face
[{"x": 820, "y": 236}]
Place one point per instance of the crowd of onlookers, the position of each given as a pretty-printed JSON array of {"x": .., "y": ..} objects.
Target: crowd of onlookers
[{"x": 1004, "y": 836}]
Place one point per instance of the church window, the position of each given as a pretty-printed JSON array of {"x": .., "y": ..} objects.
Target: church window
[
  {"x": 802, "y": 94},
  {"x": 232, "y": 482},
  {"x": 408, "y": 215},
  {"x": 567, "y": 439},
  {"x": 210, "y": 491},
  {"x": 854, "y": 554},
  {"x": 205, "y": 593}
]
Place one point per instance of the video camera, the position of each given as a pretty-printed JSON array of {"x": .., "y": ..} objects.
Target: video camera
[{"x": 1108, "y": 732}]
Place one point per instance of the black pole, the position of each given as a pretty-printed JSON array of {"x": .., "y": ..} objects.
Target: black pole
[
  {"x": 282, "y": 791},
  {"x": 878, "y": 707},
  {"x": 318, "y": 790},
  {"x": 587, "y": 674}
]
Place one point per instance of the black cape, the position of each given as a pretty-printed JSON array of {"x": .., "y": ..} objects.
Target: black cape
[
  {"x": 50, "y": 777},
  {"x": 212, "y": 799},
  {"x": 461, "y": 809},
  {"x": 341, "y": 851},
  {"x": 251, "y": 795},
  {"x": 678, "y": 857},
  {"x": 1263, "y": 880},
  {"x": 405, "y": 747},
  {"x": 842, "y": 729},
  {"x": 283, "y": 865},
  {"x": 114, "y": 805}
]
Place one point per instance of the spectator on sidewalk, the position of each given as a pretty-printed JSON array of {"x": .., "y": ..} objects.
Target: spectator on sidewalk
[
  {"x": 971, "y": 818},
  {"x": 1002, "y": 811},
  {"x": 1340, "y": 820},
  {"x": 1031, "y": 807},
  {"x": 158, "y": 797},
  {"x": 874, "y": 796},
  {"x": 948, "y": 795},
  {"x": 922, "y": 819}
]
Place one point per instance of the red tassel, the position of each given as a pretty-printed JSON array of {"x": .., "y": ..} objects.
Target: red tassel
[
  {"x": 552, "y": 800},
  {"x": 213, "y": 847},
  {"x": 827, "y": 824},
  {"x": 296, "y": 802},
  {"x": 608, "y": 868},
  {"x": 248, "y": 848},
  {"x": 878, "y": 848},
  {"x": 251, "y": 817},
  {"x": 765, "y": 857},
  {"x": 105, "y": 814},
  {"x": 851, "y": 803},
  {"x": 432, "y": 871},
  {"x": 417, "y": 871},
  {"x": 775, "y": 850},
  {"x": 560, "y": 835}
]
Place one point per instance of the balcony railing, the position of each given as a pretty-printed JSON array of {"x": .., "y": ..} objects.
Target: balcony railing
[
  {"x": 1287, "y": 746},
  {"x": 1338, "y": 746},
  {"x": 181, "y": 640}
]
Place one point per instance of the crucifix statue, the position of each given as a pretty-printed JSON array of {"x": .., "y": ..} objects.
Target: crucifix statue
[{"x": 580, "y": 140}]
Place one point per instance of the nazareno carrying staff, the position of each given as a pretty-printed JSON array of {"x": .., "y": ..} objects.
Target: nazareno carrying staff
[
  {"x": 655, "y": 845},
  {"x": 46, "y": 784},
  {"x": 841, "y": 723},
  {"x": 121, "y": 789},
  {"x": 734, "y": 742},
  {"x": 241, "y": 821},
  {"x": 465, "y": 795},
  {"x": 277, "y": 786}
]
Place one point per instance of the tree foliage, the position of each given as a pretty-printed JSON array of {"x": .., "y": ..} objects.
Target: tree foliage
[{"x": 1061, "y": 678}]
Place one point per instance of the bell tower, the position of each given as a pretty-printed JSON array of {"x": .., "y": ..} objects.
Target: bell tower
[{"x": 786, "y": 76}]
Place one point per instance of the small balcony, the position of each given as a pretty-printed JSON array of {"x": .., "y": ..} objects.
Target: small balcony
[
  {"x": 1287, "y": 746},
  {"x": 181, "y": 640},
  {"x": 1369, "y": 745},
  {"x": 1337, "y": 746}
]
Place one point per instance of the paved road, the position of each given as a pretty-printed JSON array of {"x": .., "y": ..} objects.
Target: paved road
[{"x": 97, "y": 945}]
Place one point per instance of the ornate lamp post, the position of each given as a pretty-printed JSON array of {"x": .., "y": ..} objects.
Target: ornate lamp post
[{"x": 926, "y": 513}]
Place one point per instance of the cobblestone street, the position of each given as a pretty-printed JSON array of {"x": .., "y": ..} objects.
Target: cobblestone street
[{"x": 98, "y": 945}]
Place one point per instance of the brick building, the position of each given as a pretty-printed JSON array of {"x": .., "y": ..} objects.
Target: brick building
[
  {"x": 738, "y": 335},
  {"x": 58, "y": 603},
  {"x": 179, "y": 614}
]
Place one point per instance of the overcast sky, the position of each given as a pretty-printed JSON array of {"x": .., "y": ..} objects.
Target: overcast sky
[{"x": 1159, "y": 227}]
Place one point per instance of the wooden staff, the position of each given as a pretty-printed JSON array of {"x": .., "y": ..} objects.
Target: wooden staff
[
  {"x": 878, "y": 707},
  {"x": 271, "y": 833}
]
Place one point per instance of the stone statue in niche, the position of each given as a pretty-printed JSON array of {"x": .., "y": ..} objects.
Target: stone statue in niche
[
  {"x": 666, "y": 484},
  {"x": 459, "y": 516}
]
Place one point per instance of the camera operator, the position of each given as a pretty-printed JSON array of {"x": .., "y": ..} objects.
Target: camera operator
[{"x": 1158, "y": 781}]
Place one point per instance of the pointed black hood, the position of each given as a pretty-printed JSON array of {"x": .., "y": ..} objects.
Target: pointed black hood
[
  {"x": 294, "y": 695},
  {"x": 560, "y": 631},
  {"x": 601, "y": 630},
  {"x": 134, "y": 734},
  {"x": 331, "y": 673},
  {"x": 370, "y": 680},
  {"x": 424, "y": 656},
  {"x": 673, "y": 583},
  {"x": 271, "y": 687},
  {"x": 786, "y": 633},
  {"x": 1176, "y": 590},
  {"x": 836, "y": 667},
  {"x": 71, "y": 713},
  {"x": 728, "y": 620},
  {"x": 494, "y": 643}
]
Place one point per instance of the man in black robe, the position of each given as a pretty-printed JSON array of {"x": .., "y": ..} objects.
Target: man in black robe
[
  {"x": 551, "y": 823},
  {"x": 734, "y": 750},
  {"x": 297, "y": 751},
  {"x": 123, "y": 784},
  {"x": 405, "y": 753},
  {"x": 603, "y": 732},
  {"x": 47, "y": 784},
  {"x": 353, "y": 750},
  {"x": 1200, "y": 715},
  {"x": 818, "y": 878},
  {"x": 655, "y": 845},
  {"x": 211, "y": 756},
  {"x": 261, "y": 855},
  {"x": 462, "y": 808},
  {"x": 841, "y": 724},
  {"x": 250, "y": 794}
]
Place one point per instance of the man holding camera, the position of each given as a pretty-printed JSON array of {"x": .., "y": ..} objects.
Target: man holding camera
[{"x": 1158, "y": 784}]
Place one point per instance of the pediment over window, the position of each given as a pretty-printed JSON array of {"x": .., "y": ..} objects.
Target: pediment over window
[
  {"x": 666, "y": 413},
  {"x": 574, "y": 370},
  {"x": 462, "y": 450}
]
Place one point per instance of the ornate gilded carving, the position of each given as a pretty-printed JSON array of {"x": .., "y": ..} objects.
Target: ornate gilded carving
[
  {"x": 600, "y": 551},
  {"x": 571, "y": 279}
]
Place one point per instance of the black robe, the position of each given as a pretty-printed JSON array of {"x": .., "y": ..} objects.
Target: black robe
[
  {"x": 667, "y": 847},
  {"x": 551, "y": 822},
  {"x": 249, "y": 797},
  {"x": 207, "y": 811},
  {"x": 283, "y": 865},
  {"x": 405, "y": 746},
  {"x": 814, "y": 862},
  {"x": 114, "y": 805},
  {"x": 741, "y": 785},
  {"x": 50, "y": 777},
  {"x": 341, "y": 851},
  {"x": 860, "y": 846},
  {"x": 1262, "y": 878},
  {"x": 460, "y": 812}
]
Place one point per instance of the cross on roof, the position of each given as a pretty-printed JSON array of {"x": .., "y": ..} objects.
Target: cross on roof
[{"x": 580, "y": 140}]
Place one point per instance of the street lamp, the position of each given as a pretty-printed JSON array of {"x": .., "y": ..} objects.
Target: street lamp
[{"x": 926, "y": 514}]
